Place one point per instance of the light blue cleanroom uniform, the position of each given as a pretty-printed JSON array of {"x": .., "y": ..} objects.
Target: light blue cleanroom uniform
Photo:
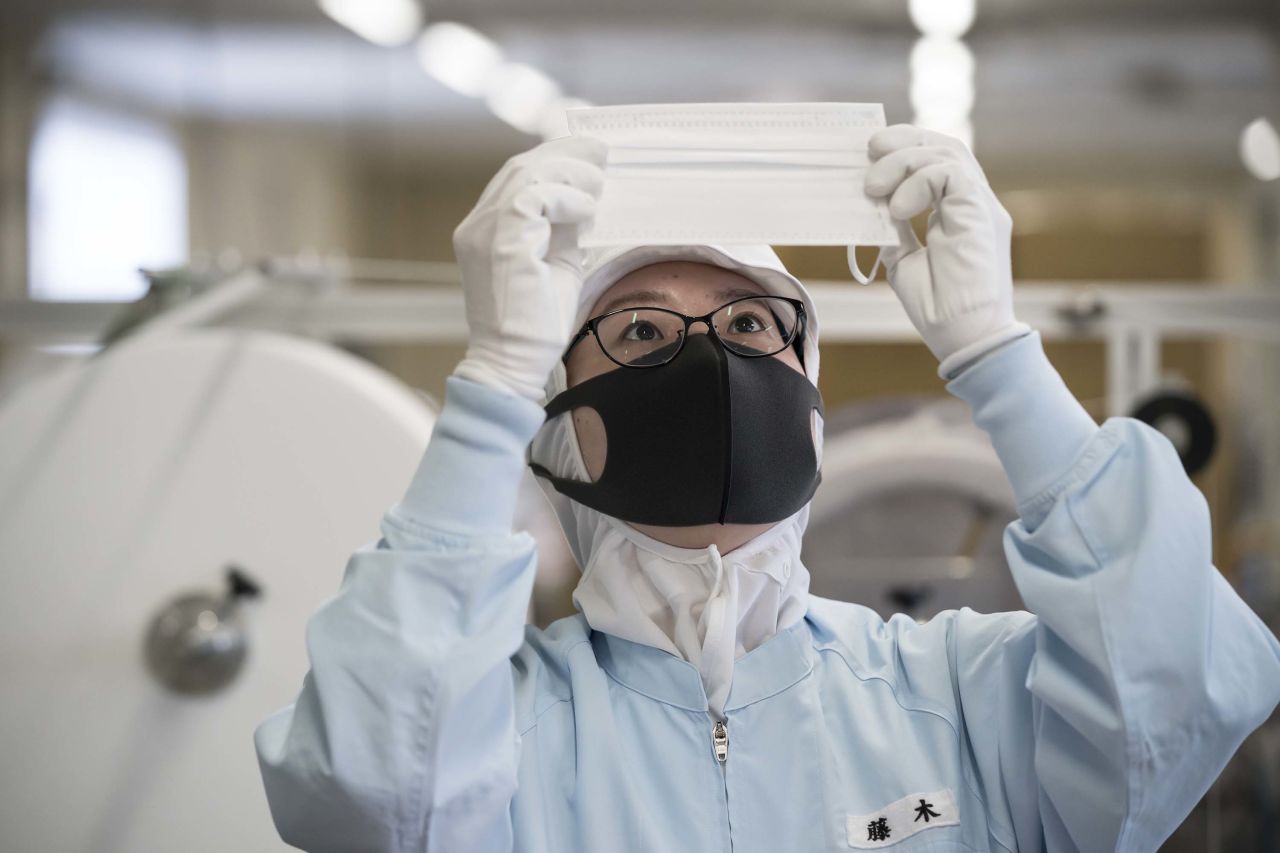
[{"x": 434, "y": 719}]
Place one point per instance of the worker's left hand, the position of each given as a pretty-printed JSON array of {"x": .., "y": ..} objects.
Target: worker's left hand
[{"x": 957, "y": 289}]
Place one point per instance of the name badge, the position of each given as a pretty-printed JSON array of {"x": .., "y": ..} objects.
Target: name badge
[{"x": 902, "y": 819}]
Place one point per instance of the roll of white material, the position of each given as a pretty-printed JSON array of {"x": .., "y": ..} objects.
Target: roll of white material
[
  {"x": 912, "y": 508},
  {"x": 139, "y": 475}
]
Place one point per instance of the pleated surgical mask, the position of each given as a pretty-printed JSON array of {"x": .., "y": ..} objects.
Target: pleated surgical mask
[{"x": 732, "y": 174}]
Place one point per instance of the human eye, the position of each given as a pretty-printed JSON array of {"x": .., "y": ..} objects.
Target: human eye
[
  {"x": 747, "y": 323},
  {"x": 641, "y": 330}
]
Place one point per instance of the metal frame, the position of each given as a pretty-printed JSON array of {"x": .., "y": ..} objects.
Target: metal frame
[{"x": 369, "y": 302}]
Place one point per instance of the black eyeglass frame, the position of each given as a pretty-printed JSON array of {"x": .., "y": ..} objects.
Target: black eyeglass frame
[{"x": 796, "y": 337}]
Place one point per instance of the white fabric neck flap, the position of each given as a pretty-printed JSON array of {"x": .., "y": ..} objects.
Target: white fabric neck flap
[{"x": 734, "y": 174}]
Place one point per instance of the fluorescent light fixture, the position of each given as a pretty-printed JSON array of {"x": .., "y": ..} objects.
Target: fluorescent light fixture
[
  {"x": 385, "y": 22},
  {"x": 519, "y": 94},
  {"x": 1260, "y": 149},
  {"x": 458, "y": 56},
  {"x": 951, "y": 18},
  {"x": 942, "y": 78},
  {"x": 471, "y": 64},
  {"x": 933, "y": 56}
]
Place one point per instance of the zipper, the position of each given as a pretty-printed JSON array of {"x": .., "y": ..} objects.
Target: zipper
[
  {"x": 720, "y": 746},
  {"x": 720, "y": 740}
]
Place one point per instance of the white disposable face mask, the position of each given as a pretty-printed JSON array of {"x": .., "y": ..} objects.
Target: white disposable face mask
[{"x": 732, "y": 174}]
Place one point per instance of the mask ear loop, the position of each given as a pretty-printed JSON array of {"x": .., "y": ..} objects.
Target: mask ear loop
[
  {"x": 888, "y": 256},
  {"x": 565, "y": 435},
  {"x": 858, "y": 275}
]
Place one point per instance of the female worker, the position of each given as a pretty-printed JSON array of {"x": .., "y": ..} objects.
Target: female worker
[{"x": 701, "y": 699}]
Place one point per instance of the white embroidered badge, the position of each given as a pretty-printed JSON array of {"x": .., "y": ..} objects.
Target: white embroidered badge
[{"x": 902, "y": 819}]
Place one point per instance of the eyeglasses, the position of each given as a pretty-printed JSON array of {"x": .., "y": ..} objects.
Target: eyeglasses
[{"x": 751, "y": 327}]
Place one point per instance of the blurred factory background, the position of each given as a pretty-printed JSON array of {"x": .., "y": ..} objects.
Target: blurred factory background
[{"x": 227, "y": 311}]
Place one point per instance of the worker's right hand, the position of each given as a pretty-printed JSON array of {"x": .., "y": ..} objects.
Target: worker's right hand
[{"x": 521, "y": 265}]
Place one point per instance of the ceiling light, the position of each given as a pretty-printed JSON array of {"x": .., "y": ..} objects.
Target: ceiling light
[
  {"x": 1260, "y": 149},
  {"x": 942, "y": 78},
  {"x": 937, "y": 56},
  {"x": 385, "y": 22},
  {"x": 458, "y": 56},
  {"x": 518, "y": 94},
  {"x": 950, "y": 18}
]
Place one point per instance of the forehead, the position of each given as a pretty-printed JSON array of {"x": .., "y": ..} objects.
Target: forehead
[{"x": 677, "y": 284}]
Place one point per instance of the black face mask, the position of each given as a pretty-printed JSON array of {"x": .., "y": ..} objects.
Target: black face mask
[{"x": 710, "y": 437}]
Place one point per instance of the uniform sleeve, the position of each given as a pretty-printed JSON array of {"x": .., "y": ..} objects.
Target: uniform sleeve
[
  {"x": 1097, "y": 721},
  {"x": 402, "y": 737}
]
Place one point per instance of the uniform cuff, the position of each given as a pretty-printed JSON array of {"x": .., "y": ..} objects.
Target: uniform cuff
[
  {"x": 952, "y": 365},
  {"x": 1037, "y": 426},
  {"x": 469, "y": 476}
]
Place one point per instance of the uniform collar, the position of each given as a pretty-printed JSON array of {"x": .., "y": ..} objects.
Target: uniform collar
[{"x": 773, "y": 666}]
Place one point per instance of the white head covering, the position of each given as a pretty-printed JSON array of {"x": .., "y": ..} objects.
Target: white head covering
[{"x": 706, "y": 607}]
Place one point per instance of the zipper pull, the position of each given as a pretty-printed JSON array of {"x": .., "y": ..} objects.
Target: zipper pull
[{"x": 720, "y": 740}]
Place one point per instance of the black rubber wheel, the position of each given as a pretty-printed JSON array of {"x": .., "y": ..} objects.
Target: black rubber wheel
[{"x": 1186, "y": 418}]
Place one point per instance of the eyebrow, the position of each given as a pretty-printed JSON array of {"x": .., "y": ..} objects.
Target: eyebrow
[{"x": 645, "y": 298}]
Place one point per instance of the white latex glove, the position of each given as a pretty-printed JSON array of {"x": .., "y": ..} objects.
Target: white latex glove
[
  {"x": 521, "y": 265},
  {"x": 957, "y": 289}
]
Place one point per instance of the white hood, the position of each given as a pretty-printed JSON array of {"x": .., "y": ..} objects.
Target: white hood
[{"x": 705, "y": 607}]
